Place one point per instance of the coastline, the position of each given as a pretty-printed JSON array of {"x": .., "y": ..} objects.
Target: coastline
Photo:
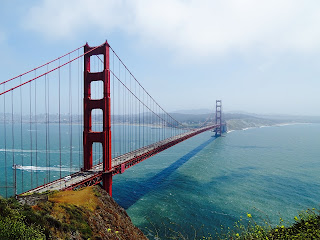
[{"x": 248, "y": 125}]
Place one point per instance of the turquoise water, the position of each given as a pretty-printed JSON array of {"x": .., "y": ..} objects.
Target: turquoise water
[{"x": 204, "y": 182}]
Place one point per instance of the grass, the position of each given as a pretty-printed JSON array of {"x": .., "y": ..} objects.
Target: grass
[{"x": 84, "y": 197}]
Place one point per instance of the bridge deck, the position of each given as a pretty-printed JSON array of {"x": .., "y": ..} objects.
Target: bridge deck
[{"x": 119, "y": 164}]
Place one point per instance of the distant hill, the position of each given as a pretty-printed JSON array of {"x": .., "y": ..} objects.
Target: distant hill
[
  {"x": 194, "y": 111},
  {"x": 191, "y": 118},
  {"x": 238, "y": 121}
]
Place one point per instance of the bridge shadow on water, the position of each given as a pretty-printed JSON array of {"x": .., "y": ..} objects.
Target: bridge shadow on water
[{"x": 135, "y": 191}]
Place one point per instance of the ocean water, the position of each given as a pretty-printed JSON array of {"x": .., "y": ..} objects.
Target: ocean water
[
  {"x": 195, "y": 186},
  {"x": 205, "y": 182}
]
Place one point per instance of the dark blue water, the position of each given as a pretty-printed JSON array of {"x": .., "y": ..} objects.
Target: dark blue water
[{"x": 204, "y": 182}]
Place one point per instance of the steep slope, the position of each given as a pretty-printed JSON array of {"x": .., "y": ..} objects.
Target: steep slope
[{"x": 83, "y": 214}]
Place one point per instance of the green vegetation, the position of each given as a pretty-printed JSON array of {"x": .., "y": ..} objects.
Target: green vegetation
[
  {"x": 42, "y": 221},
  {"x": 88, "y": 213},
  {"x": 52, "y": 220},
  {"x": 19, "y": 222},
  {"x": 306, "y": 226}
]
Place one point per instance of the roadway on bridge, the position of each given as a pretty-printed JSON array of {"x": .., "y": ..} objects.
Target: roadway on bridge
[{"x": 77, "y": 178}]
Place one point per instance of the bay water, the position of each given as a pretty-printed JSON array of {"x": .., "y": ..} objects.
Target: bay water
[
  {"x": 195, "y": 186},
  {"x": 205, "y": 182}
]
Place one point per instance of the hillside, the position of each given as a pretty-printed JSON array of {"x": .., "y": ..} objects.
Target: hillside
[
  {"x": 238, "y": 124},
  {"x": 89, "y": 213}
]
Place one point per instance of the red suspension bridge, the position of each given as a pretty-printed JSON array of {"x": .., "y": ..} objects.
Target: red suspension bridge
[{"x": 79, "y": 120}]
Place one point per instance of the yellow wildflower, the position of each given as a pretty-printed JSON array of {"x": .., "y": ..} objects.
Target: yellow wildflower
[{"x": 249, "y": 215}]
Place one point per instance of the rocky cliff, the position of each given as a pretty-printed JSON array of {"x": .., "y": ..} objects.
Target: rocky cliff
[{"x": 89, "y": 213}]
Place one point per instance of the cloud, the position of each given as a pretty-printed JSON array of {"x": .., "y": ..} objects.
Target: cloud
[
  {"x": 59, "y": 19},
  {"x": 188, "y": 27}
]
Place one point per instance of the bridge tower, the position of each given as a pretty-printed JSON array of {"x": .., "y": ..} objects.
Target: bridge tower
[
  {"x": 89, "y": 136},
  {"x": 218, "y": 118}
]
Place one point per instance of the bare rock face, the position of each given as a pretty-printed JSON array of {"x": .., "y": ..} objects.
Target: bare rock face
[
  {"x": 111, "y": 221},
  {"x": 32, "y": 200}
]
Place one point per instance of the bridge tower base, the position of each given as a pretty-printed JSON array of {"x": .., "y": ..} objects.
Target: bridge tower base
[{"x": 89, "y": 136}]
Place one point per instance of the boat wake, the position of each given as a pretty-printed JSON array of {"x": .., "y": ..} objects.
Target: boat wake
[{"x": 42, "y": 169}]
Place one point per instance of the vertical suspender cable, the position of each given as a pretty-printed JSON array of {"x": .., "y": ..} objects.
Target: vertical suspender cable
[
  {"x": 59, "y": 93},
  {"x": 70, "y": 114},
  {"x": 13, "y": 150},
  {"x": 143, "y": 123},
  {"x": 47, "y": 124},
  {"x": 31, "y": 136},
  {"x": 135, "y": 134},
  {"x": 139, "y": 131},
  {"x": 78, "y": 120},
  {"x": 131, "y": 118},
  {"x": 49, "y": 155},
  {"x": 81, "y": 107},
  {"x": 119, "y": 119},
  {"x": 128, "y": 115},
  {"x": 113, "y": 113},
  {"x": 36, "y": 127},
  {"x": 21, "y": 138},
  {"x": 125, "y": 115},
  {"x": 5, "y": 142}
]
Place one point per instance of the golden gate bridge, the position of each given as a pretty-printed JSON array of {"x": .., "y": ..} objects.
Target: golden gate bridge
[{"x": 80, "y": 119}]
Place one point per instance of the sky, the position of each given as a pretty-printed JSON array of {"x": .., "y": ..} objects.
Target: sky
[{"x": 256, "y": 56}]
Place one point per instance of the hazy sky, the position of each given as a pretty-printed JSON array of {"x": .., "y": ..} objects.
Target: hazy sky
[{"x": 257, "y": 56}]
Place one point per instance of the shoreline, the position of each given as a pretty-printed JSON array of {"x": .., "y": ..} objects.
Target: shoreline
[{"x": 245, "y": 128}]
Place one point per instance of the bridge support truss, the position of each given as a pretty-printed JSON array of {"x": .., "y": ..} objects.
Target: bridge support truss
[{"x": 89, "y": 136}]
